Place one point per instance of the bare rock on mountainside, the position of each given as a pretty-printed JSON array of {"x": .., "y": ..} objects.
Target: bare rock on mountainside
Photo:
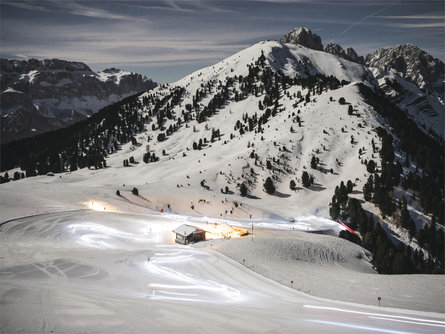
[
  {"x": 43, "y": 95},
  {"x": 412, "y": 64},
  {"x": 349, "y": 54},
  {"x": 305, "y": 37}
]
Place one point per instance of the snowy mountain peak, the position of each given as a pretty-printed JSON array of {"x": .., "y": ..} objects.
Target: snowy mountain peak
[
  {"x": 305, "y": 37},
  {"x": 295, "y": 61},
  {"x": 410, "y": 63}
]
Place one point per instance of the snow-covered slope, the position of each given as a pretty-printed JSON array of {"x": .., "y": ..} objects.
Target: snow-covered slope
[
  {"x": 426, "y": 109},
  {"x": 325, "y": 131},
  {"x": 328, "y": 267},
  {"x": 38, "y": 96}
]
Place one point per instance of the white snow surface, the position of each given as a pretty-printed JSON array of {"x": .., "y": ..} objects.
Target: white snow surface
[
  {"x": 104, "y": 272},
  {"x": 114, "y": 76},
  {"x": 426, "y": 109},
  {"x": 11, "y": 90}
]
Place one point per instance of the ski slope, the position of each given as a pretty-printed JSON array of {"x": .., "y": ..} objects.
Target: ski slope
[{"x": 84, "y": 271}]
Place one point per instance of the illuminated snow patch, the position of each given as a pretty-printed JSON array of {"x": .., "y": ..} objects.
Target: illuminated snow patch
[
  {"x": 97, "y": 205},
  {"x": 212, "y": 287},
  {"x": 359, "y": 327},
  {"x": 179, "y": 285},
  {"x": 97, "y": 235},
  {"x": 382, "y": 316}
]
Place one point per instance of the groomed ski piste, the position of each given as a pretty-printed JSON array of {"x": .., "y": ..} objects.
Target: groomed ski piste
[{"x": 87, "y": 271}]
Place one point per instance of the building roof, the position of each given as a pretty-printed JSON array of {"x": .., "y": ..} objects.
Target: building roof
[{"x": 186, "y": 230}]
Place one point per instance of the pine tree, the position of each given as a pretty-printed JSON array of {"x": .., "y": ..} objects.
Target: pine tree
[
  {"x": 404, "y": 214},
  {"x": 349, "y": 186},
  {"x": 292, "y": 185},
  {"x": 146, "y": 157},
  {"x": 367, "y": 191},
  {"x": 269, "y": 186},
  {"x": 243, "y": 189},
  {"x": 306, "y": 180},
  {"x": 350, "y": 110},
  {"x": 370, "y": 167},
  {"x": 334, "y": 210},
  {"x": 313, "y": 162},
  {"x": 342, "y": 194}
]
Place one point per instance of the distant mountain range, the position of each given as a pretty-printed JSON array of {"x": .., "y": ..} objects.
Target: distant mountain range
[{"x": 43, "y": 95}]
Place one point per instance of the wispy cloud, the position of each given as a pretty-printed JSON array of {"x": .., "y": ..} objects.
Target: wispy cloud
[
  {"x": 26, "y": 5},
  {"x": 86, "y": 9},
  {"x": 414, "y": 21},
  {"x": 83, "y": 10},
  {"x": 414, "y": 17},
  {"x": 173, "y": 4},
  {"x": 417, "y": 25},
  {"x": 367, "y": 17},
  {"x": 79, "y": 8}
]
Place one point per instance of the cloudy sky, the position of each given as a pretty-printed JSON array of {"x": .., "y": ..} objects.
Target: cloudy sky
[{"x": 166, "y": 40}]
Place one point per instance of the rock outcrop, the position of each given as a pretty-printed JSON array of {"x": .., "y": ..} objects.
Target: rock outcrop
[
  {"x": 305, "y": 37},
  {"x": 349, "y": 54}
]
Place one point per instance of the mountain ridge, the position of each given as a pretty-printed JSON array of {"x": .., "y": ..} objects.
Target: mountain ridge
[{"x": 54, "y": 93}]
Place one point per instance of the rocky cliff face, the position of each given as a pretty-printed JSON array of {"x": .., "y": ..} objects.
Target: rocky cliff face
[
  {"x": 412, "y": 64},
  {"x": 38, "y": 96},
  {"x": 305, "y": 37},
  {"x": 349, "y": 54}
]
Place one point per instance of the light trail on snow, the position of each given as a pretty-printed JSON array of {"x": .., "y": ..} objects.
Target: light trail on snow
[
  {"x": 381, "y": 315},
  {"x": 99, "y": 264},
  {"x": 359, "y": 327}
]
